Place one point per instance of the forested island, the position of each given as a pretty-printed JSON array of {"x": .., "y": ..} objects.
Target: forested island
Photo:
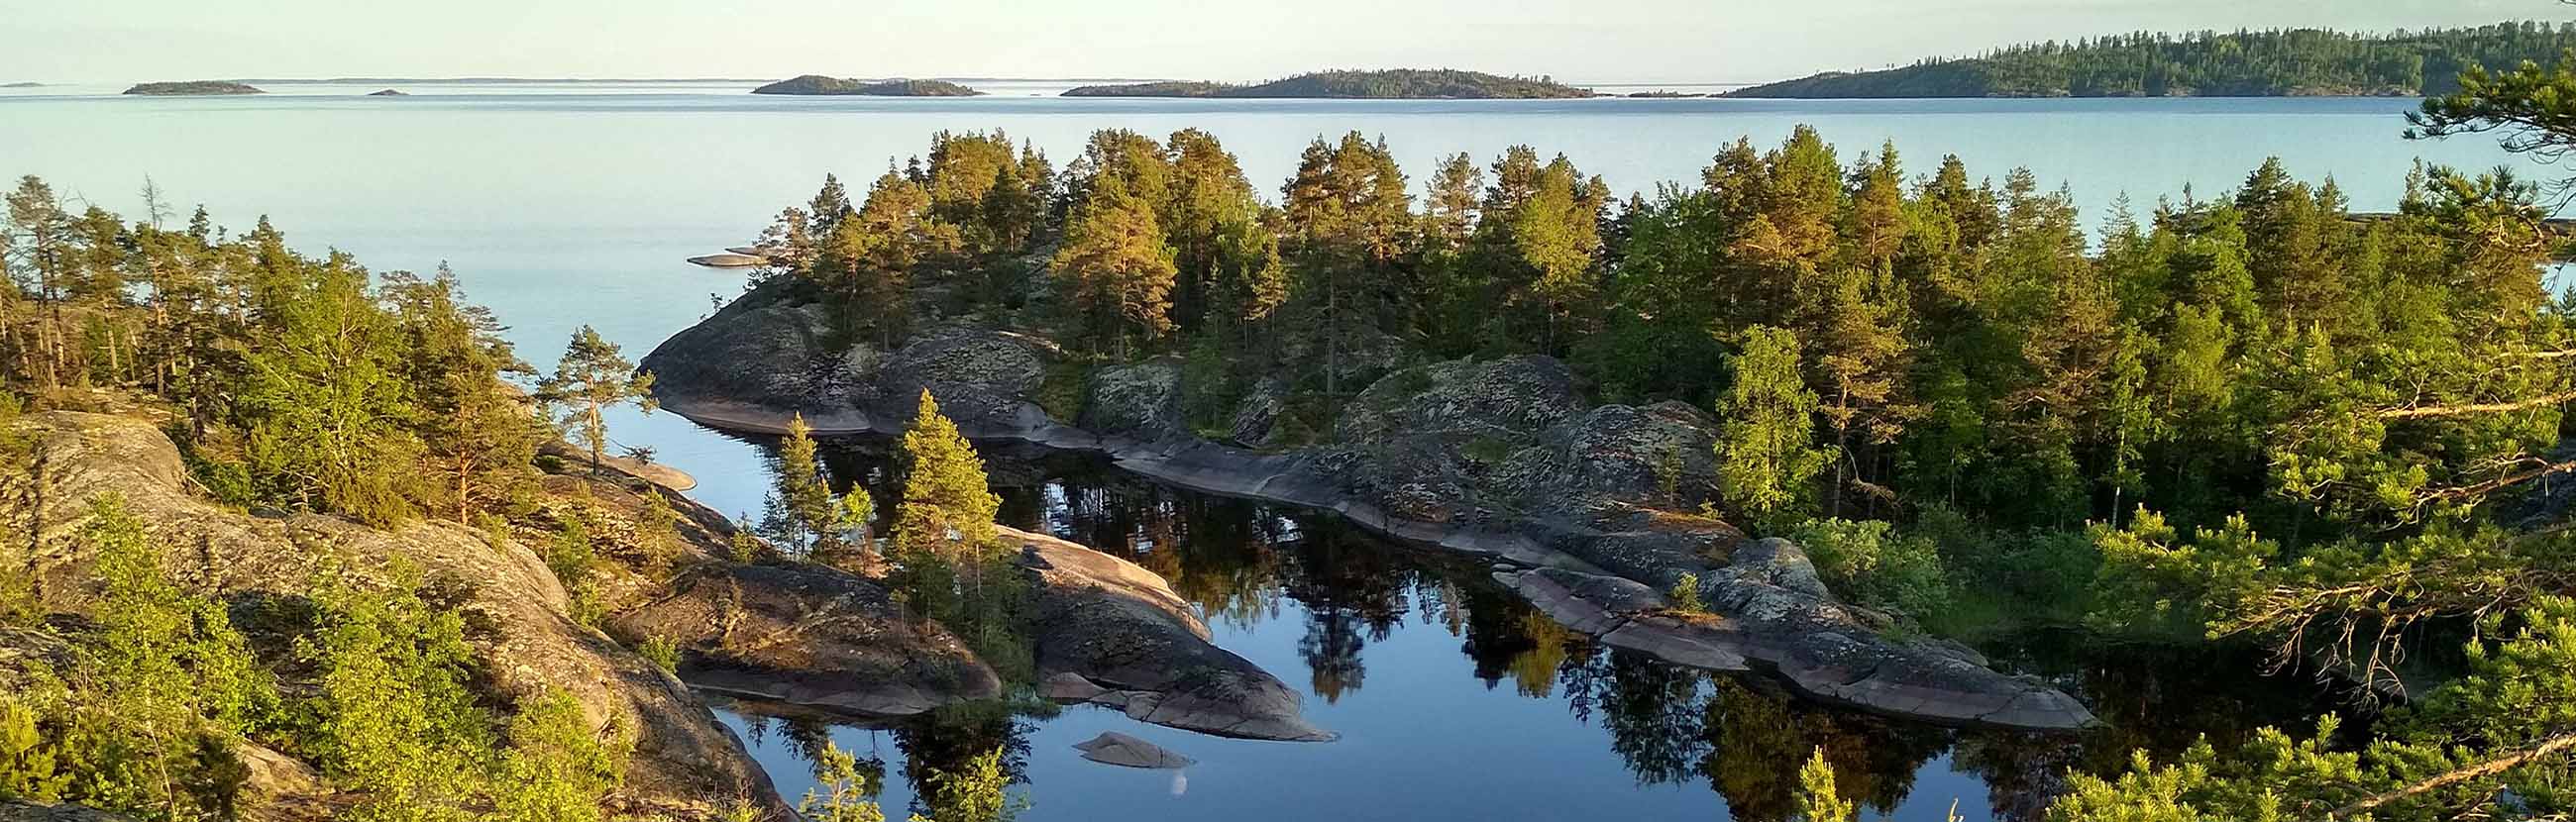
[
  {"x": 816, "y": 84},
  {"x": 192, "y": 87},
  {"x": 1385, "y": 84},
  {"x": 2279, "y": 62},
  {"x": 2248, "y": 421}
]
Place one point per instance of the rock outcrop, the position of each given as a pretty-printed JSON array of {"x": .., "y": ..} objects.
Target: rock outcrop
[
  {"x": 685, "y": 763},
  {"x": 1111, "y": 633},
  {"x": 807, "y": 636},
  {"x": 1504, "y": 459},
  {"x": 1769, "y": 612}
]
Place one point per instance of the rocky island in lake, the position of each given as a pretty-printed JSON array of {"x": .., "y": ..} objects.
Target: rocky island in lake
[
  {"x": 192, "y": 88},
  {"x": 1587, "y": 508},
  {"x": 820, "y": 85},
  {"x": 1391, "y": 84}
]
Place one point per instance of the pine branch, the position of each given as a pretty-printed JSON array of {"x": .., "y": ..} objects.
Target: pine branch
[{"x": 2543, "y": 750}]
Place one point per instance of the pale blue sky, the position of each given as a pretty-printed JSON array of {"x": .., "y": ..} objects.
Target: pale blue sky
[{"x": 1596, "y": 41}]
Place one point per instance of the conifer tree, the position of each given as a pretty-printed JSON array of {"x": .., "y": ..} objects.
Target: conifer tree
[
  {"x": 801, "y": 507},
  {"x": 1114, "y": 267},
  {"x": 592, "y": 377}
]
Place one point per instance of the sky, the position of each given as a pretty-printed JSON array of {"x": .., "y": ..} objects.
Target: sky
[{"x": 1584, "y": 41}]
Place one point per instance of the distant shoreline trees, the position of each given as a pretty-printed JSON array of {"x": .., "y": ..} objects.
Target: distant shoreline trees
[{"x": 2243, "y": 63}]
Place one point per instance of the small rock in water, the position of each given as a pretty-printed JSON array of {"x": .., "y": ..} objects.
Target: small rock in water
[{"x": 1114, "y": 748}]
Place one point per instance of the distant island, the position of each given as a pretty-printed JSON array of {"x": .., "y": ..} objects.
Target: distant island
[
  {"x": 388, "y": 93},
  {"x": 193, "y": 87},
  {"x": 2275, "y": 63},
  {"x": 1391, "y": 84},
  {"x": 819, "y": 84},
  {"x": 22, "y": 85}
]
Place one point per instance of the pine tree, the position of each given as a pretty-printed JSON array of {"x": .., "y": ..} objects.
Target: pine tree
[
  {"x": 592, "y": 377},
  {"x": 947, "y": 510},
  {"x": 1114, "y": 267},
  {"x": 475, "y": 430},
  {"x": 801, "y": 508}
]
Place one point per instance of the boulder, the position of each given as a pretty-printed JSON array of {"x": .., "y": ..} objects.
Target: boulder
[
  {"x": 982, "y": 379},
  {"x": 1114, "y": 748},
  {"x": 1141, "y": 401},
  {"x": 1256, "y": 417},
  {"x": 807, "y": 636},
  {"x": 526, "y": 639},
  {"x": 1109, "y": 632}
]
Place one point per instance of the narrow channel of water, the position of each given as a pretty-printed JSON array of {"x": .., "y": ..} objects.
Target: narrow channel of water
[{"x": 1457, "y": 701}]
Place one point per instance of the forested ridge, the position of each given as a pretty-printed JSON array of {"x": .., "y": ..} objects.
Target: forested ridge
[{"x": 2243, "y": 63}]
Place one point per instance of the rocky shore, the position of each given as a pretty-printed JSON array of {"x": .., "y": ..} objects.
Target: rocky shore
[{"x": 1501, "y": 459}]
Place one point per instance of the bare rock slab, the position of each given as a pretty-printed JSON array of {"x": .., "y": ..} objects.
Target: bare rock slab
[{"x": 1114, "y": 748}]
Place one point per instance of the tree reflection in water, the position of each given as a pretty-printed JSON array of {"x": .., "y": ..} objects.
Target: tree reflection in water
[{"x": 1242, "y": 563}]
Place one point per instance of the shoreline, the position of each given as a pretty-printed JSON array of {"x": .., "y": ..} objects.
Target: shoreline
[{"x": 1854, "y": 676}]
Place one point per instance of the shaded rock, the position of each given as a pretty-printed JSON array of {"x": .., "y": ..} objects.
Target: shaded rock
[
  {"x": 1256, "y": 418},
  {"x": 1104, "y": 623},
  {"x": 526, "y": 639},
  {"x": 807, "y": 636},
  {"x": 1114, "y": 748},
  {"x": 14, "y": 811},
  {"x": 1141, "y": 400},
  {"x": 982, "y": 378}
]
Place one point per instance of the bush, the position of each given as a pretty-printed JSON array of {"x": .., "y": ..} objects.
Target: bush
[
  {"x": 659, "y": 651},
  {"x": 1686, "y": 595},
  {"x": 1867, "y": 563}
]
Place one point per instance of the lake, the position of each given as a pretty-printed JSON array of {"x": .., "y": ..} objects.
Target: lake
[{"x": 561, "y": 204}]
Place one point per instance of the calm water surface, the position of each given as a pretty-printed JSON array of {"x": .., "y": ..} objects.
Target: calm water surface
[{"x": 565, "y": 204}]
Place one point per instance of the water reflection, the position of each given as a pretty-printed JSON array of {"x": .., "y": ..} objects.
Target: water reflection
[{"x": 1264, "y": 571}]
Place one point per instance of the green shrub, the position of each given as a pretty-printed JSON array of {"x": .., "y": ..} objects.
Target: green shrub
[
  {"x": 1685, "y": 595},
  {"x": 661, "y": 652},
  {"x": 1868, "y": 564}
]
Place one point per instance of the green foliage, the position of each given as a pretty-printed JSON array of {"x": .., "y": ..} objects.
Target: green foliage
[
  {"x": 976, "y": 792},
  {"x": 801, "y": 507},
  {"x": 594, "y": 376},
  {"x": 558, "y": 768},
  {"x": 2456, "y": 753},
  {"x": 29, "y": 770},
  {"x": 1766, "y": 456},
  {"x": 658, "y": 650},
  {"x": 1818, "y": 800},
  {"x": 842, "y": 792},
  {"x": 1868, "y": 563},
  {"x": 1114, "y": 268},
  {"x": 395, "y": 716},
  {"x": 1685, "y": 595}
]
